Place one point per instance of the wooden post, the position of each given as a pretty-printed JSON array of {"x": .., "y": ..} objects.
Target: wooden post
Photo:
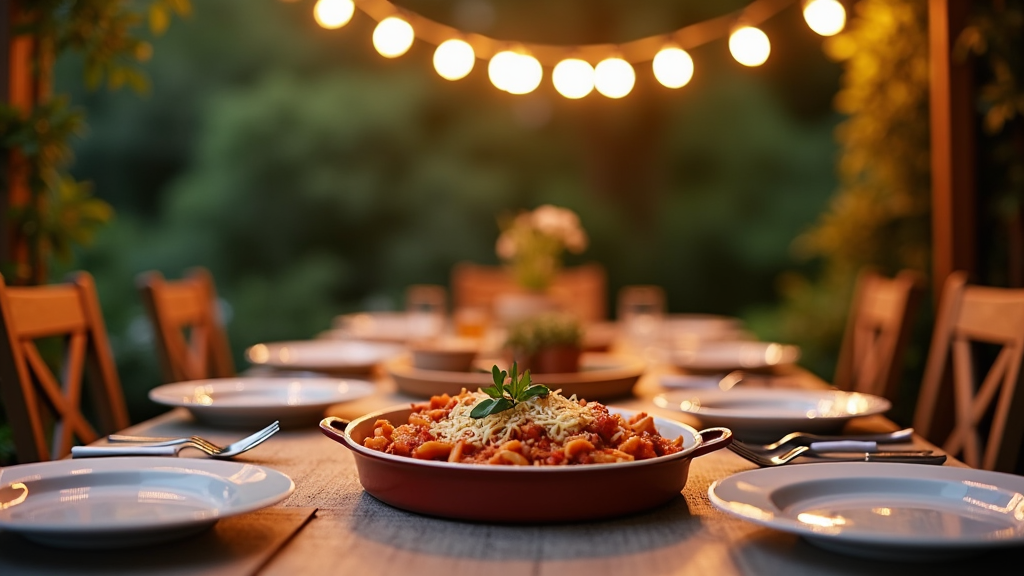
[
  {"x": 20, "y": 87},
  {"x": 954, "y": 197}
]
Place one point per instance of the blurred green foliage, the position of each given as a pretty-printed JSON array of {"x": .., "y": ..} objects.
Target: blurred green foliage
[
  {"x": 880, "y": 215},
  {"x": 315, "y": 178}
]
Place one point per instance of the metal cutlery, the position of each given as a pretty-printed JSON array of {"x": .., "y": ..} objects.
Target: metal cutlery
[
  {"x": 171, "y": 446},
  {"x": 807, "y": 439},
  {"x": 768, "y": 459}
]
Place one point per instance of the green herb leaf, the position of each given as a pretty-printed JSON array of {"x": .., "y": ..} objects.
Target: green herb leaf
[
  {"x": 505, "y": 396},
  {"x": 490, "y": 406},
  {"x": 534, "y": 391}
]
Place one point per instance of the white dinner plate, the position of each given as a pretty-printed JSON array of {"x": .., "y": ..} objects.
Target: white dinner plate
[
  {"x": 727, "y": 355},
  {"x": 258, "y": 401},
  {"x": 882, "y": 510},
  {"x": 387, "y": 326},
  {"x": 105, "y": 503},
  {"x": 324, "y": 355},
  {"x": 766, "y": 414}
]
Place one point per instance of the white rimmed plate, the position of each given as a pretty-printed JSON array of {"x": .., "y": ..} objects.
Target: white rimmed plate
[
  {"x": 257, "y": 401},
  {"x": 882, "y": 510},
  {"x": 106, "y": 503},
  {"x": 727, "y": 355},
  {"x": 387, "y": 326},
  {"x": 602, "y": 376},
  {"x": 766, "y": 414},
  {"x": 328, "y": 356}
]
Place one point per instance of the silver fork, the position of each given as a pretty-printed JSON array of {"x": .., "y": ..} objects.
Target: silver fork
[
  {"x": 170, "y": 447},
  {"x": 806, "y": 439},
  {"x": 765, "y": 460}
]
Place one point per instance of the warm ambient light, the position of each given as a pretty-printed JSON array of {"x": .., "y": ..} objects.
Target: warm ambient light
[
  {"x": 333, "y": 14},
  {"x": 573, "y": 78},
  {"x": 515, "y": 73},
  {"x": 673, "y": 67},
  {"x": 614, "y": 77},
  {"x": 454, "y": 59},
  {"x": 826, "y": 17},
  {"x": 749, "y": 46},
  {"x": 392, "y": 37}
]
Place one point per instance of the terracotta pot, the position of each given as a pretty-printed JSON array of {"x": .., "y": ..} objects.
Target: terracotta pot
[{"x": 561, "y": 359}]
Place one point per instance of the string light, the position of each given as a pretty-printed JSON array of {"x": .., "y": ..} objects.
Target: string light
[
  {"x": 393, "y": 37},
  {"x": 332, "y": 14},
  {"x": 673, "y": 67},
  {"x": 454, "y": 59},
  {"x": 520, "y": 70},
  {"x": 826, "y": 17},
  {"x": 749, "y": 46},
  {"x": 573, "y": 78},
  {"x": 614, "y": 77}
]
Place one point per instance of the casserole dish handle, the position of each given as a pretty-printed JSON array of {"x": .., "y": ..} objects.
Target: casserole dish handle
[
  {"x": 334, "y": 428},
  {"x": 711, "y": 439}
]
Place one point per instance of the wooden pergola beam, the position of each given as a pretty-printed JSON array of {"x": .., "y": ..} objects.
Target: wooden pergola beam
[{"x": 954, "y": 194}]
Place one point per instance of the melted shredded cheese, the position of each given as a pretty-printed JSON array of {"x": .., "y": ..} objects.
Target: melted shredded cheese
[{"x": 560, "y": 417}]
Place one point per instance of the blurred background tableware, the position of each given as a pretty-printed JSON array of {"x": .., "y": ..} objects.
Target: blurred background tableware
[
  {"x": 601, "y": 376},
  {"x": 449, "y": 354},
  {"x": 640, "y": 311},
  {"x": 110, "y": 503},
  {"x": 386, "y": 326},
  {"x": 726, "y": 356},
  {"x": 765, "y": 414},
  {"x": 252, "y": 401},
  {"x": 885, "y": 511},
  {"x": 324, "y": 355}
]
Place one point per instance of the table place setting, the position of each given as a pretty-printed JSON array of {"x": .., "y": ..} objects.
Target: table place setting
[{"x": 328, "y": 356}]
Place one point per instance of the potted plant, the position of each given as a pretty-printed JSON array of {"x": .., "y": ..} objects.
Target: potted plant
[
  {"x": 548, "y": 343},
  {"x": 531, "y": 246}
]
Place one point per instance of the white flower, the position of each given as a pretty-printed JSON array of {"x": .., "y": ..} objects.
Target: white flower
[{"x": 506, "y": 246}]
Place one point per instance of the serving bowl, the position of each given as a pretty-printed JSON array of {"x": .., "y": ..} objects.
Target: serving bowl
[
  {"x": 522, "y": 494},
  {"x": 449, "y": 355}
]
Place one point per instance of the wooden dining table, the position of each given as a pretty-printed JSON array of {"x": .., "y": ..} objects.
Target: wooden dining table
[{"x": 330, "y": 526}]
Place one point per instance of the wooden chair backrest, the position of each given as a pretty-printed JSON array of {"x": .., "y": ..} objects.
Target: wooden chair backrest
[
  {"x": 581, "y": 289},
  {"x": 648, "y": 297},
  {"x": 34, "y": 397},
  {"x": 426, "y": 298},
  {"x": 871, "y": 357},
  {"x": 971, "y": 313},
  {"x": 190, "y": 337}
]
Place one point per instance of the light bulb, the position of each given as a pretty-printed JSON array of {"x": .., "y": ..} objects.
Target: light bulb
[
  {"x": 392, "y": 37},
  {"x": 614, "y": 77},
  {"x": 673, "y": 67},
  {"x": 454, "y": 59},
  {"x": 501, "y": 68},
  {"x": 749, "y": 46},
  {"x": 526, "y": 76},
  {"x": 825, "y": 17},
  {"x": 333, "y": 14},
  {"x": 515, "y": 73},
  {"x": 573, "y": 78}
]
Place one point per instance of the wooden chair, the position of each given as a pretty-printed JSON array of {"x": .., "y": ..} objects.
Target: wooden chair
[
  {"x": 580, "y": 289},
  {"x": 33, "y": 396},
  {"x": 871, "y": 357},
  {"x": 190, "y": 338},
  {"x": 988, "y": 419},
  {"x": 426, "y": 298},
  {"x": 645, "y": 298}
]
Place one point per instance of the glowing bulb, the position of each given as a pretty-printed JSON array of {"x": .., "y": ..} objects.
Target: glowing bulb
[
  {"x": 673, "y": 67},
  {"x": 614, "y": 77},
  {"x": 826, "y": 17},
  {"x": 454, "y": 59},
  {"x": 749, "y": 46},
  {"x": 573, "y": 78},
  {"x": 515, "y": 73},
  {"x": 392, "y": 37},
  {"x": 501, "y": 68},
  {"x": 333, "y": 14},
  {"x": 527, "y": 75}
]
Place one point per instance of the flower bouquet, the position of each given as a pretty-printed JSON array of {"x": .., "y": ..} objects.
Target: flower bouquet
[{"x": 533, "y": 243}]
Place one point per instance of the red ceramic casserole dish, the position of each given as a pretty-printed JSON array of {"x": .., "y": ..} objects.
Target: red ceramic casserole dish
[{"x": 522, "y": 494}]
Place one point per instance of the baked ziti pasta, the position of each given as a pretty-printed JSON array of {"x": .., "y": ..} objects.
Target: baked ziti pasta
[{"x": 545, "y": 431}]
